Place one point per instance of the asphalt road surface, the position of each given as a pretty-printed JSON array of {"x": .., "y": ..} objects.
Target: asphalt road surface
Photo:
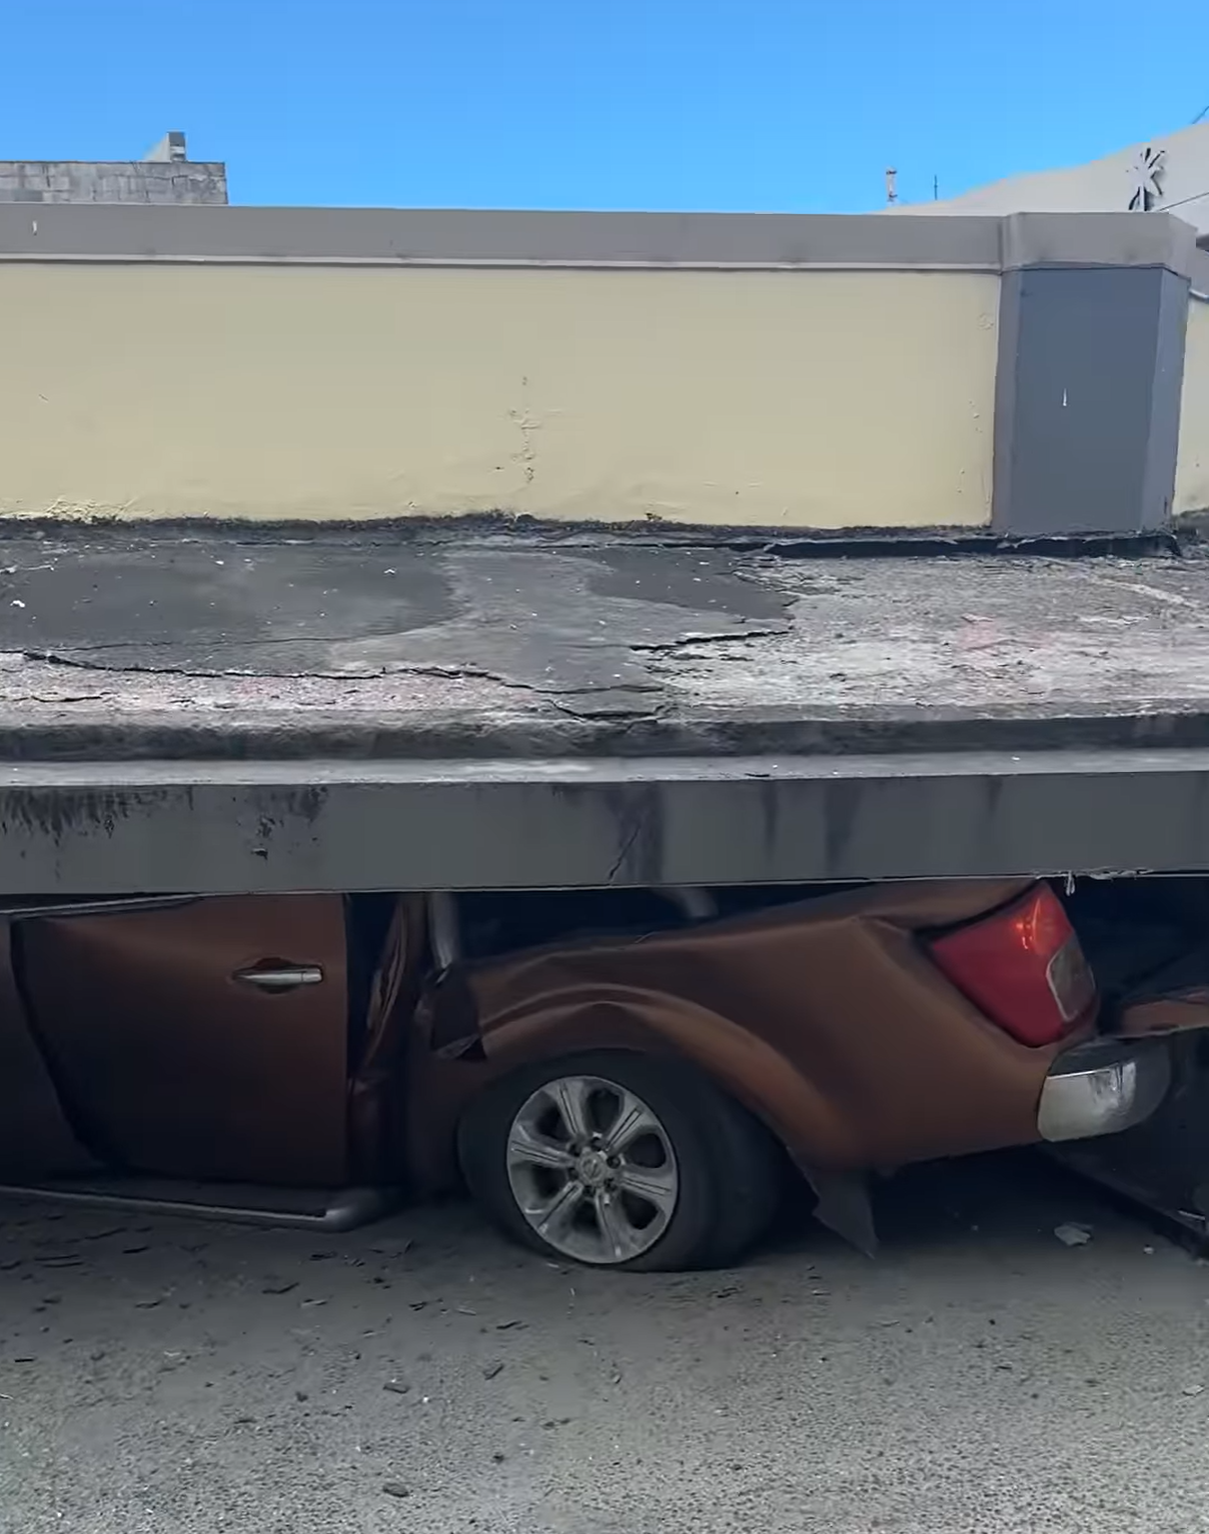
[{"x": 421, "y": 1376}]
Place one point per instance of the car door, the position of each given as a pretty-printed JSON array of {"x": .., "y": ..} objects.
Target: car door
[
  {"x": 36, "y": 1137},
  {"x": 206, "y": 1038}
]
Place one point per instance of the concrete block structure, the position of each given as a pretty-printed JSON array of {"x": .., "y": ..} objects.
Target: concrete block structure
[{"x": 164, "y": 176}]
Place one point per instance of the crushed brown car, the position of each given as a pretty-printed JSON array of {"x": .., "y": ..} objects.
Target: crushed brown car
[{"x": 621, "y": 1078}]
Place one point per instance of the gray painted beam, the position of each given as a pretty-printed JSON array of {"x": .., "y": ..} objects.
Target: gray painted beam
[
  {"x": 457, "y": 236},
  {"x": 83, "y": 829}
]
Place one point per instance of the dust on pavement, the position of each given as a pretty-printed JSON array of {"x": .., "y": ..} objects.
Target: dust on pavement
[{"x": 420, "y": 1375}]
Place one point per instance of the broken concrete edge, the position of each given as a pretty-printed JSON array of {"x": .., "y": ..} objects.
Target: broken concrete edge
[
  {"x": 457, "y": 237},
  {"x": 523, "y": 531},
  {"x": 64, "y": 733}
]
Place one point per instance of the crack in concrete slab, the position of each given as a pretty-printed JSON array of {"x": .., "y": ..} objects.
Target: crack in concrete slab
[
  {"x": 626, "y": 848},
  {"x": 670, "y": 646},
  {"x": 75, "y": 662},
  {"x": 552, "y": 694}
]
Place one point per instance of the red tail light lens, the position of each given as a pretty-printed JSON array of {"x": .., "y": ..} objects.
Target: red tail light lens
[{"x": 1023, "y": 967}]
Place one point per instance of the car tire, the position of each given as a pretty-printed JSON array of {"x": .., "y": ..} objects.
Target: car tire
[{"x": 727, "y": 1169}]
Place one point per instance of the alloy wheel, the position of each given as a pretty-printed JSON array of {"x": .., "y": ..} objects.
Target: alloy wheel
[{"x": 592, "y": 1169}]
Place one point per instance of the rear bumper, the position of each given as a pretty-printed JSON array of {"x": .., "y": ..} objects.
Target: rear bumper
[{"x": 1102, "y": 1088}]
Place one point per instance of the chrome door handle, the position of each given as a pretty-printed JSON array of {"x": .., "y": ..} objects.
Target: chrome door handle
[{"x": 285, "y": 977}]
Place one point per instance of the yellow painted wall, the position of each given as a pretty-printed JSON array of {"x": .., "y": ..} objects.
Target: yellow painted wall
[
  {"x": 1192, "y": 464},
  {"x": 811, "y": 399}
]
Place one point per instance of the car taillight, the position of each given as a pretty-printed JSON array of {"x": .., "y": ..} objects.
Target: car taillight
[{"x": 1023, "y": 967}]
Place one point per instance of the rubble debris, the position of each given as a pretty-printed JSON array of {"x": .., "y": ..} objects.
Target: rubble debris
[{"x": 1073, "y": 1234}]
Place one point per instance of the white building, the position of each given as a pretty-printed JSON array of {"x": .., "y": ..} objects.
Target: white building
[{"x": 1169, "y": 173}]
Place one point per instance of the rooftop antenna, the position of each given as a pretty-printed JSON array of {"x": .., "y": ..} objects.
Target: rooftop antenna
[
  {"x": 891, "y": 184},
  {"x": 935, "y": 188}
]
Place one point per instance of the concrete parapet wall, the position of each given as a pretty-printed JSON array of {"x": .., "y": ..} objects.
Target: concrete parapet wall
[{"x": 787, "y": 372}]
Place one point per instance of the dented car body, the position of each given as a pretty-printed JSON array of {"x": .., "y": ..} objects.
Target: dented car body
[{"x": 578, "y": 1056}]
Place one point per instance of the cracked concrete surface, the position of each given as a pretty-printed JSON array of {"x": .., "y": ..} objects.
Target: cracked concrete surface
[
  {"x": 550, "y": 622},
  {"x": 979, "y": 1377},
  {"x": 491, "y": 644}
]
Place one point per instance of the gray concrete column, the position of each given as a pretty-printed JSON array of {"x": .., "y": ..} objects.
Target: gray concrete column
[{"x": 1092, "y": 318}]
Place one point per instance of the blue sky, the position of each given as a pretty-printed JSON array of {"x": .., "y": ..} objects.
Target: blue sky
[{"x": 768, "y": 104}]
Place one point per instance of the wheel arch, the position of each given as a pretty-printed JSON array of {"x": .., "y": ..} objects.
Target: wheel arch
[{"x": 746, "y": 1068}]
